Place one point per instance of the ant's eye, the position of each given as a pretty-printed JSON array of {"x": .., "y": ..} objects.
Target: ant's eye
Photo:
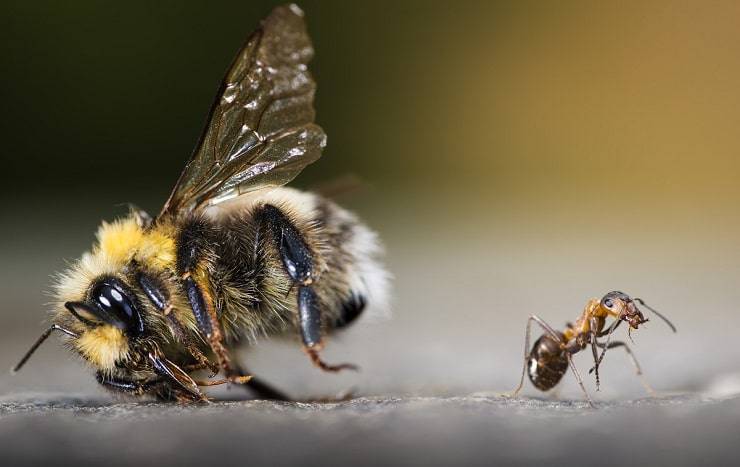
[
  {"x": 608, "y": 303},
  {"x": 116, "y": 307}
]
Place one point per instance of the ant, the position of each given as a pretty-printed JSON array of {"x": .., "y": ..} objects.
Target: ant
[{"x": 552, "y": 354}]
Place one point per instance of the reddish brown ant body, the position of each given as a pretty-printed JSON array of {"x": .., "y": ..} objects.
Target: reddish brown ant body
[{"x": 549, "y": 358}]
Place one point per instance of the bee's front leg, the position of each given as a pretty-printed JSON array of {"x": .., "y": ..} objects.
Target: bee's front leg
[
  {"x": 157, "y": 388},
  {"x": 298, "y": 263}
]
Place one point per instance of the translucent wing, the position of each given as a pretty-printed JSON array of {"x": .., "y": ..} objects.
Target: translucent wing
[{"x": 260, "y": 132}]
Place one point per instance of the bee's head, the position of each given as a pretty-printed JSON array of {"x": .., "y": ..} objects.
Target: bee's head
[
  {"x": 626, "y": 309},
  {"x": 103, "y": 310},
  {"x": 110, "y": 322}
]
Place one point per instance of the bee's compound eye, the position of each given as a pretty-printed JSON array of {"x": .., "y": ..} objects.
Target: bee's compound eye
[
  {"x": 608, "y": 303},
  {"x": 118, "y": 309}
]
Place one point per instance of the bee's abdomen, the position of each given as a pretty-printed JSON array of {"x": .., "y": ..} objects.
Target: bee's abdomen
[
  {"x": 547, "y": 363},
  {"x": 345, "y": 272},
  {"x": 352, "y": 308}
]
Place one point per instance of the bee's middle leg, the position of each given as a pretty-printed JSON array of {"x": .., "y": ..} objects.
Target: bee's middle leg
[
  {"x": 193, "y": 249},
  {"x": 298, "y": 263}
]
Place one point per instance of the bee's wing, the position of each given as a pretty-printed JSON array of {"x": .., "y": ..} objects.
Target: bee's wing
[{"x": 260, "y": 131}]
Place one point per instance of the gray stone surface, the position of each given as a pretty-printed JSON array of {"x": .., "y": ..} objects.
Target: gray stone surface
[{"x": 671, "y": 430}]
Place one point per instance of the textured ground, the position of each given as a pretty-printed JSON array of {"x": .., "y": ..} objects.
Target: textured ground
[{"x": 670, "y": 430}]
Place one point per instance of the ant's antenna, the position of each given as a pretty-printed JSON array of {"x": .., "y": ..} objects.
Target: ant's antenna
[
  {"x": 44, "y": 336},
  {"x": 642, "y": 302}
]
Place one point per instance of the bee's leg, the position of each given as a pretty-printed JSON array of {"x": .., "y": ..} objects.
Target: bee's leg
[
  {"x": 298, "y": 263},
  {"x": 261, "y": 388},
  {"x": 121, "y": 385},
  {"x": 158, "y": 297},
  {"x": 194, "y": 250},
  {"x": 158, "y": 388},
  {"x": 635, "y": 363},
  {"x": 218, "y": 382},
  {"x": 179, "y": 332},
  {"x": 310, "y": 324},
  {"x": 207, "y": 321},
  {"x": 549, "y": 330}
]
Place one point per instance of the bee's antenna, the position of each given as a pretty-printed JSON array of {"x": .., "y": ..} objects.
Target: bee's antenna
[
  {"x": 44, "y": 336},
  {"x": 642, "y": 302}
]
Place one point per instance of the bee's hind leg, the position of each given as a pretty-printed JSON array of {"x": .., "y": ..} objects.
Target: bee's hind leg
[
  {"x": 298, "y": 263},
  {"x": 310, "y": 324}
]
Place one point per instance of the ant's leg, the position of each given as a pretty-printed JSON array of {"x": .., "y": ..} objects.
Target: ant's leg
[
  {"x": 635, "y": 363},
  {"x": 595, "y": 351},
  {"x": 608, "y": 333},
  {"x": 580, "y": 381},
  {"x": 610, "y": 329},
  {"x": 549, "y": 330}
]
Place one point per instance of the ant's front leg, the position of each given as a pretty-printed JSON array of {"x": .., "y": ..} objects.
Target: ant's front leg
[
  {"x": 298, "y": 263},
  {"x": 592, "y": 337},
  {"x": 608, "y": 333},
  {"x": 633, "y": 359}
]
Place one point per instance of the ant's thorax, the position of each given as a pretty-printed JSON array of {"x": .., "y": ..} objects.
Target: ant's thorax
[{"x": 583, "y": 325}]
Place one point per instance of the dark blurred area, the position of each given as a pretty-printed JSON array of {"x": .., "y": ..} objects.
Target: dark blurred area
[{"x": 517, "y": 158}]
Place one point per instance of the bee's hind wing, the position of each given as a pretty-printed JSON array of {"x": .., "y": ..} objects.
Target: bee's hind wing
[{"x": 260, "y": 132}]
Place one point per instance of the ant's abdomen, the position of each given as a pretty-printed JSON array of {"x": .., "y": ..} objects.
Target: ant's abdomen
[{"x": 547, "y": 363}]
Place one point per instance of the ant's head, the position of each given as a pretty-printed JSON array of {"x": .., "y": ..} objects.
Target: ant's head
[
  {"x": 625, "y": 307},
  {"x": 627, "y": 311}
]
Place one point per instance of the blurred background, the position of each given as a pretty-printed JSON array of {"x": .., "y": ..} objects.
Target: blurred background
[{"x": 518, "y": 158}]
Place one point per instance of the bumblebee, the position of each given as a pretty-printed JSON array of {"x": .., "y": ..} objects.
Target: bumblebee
[{"x": 233, "y": 255}]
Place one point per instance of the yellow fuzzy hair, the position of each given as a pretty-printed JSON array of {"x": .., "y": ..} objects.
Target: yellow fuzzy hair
[
  {"x": 118, "y": 243},
  {"x": 103, "y": 346},
  {"x": 123, "y": 240}
]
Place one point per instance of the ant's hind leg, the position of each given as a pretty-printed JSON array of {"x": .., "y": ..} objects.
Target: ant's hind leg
[
  {"x": 635, "y": 363},
  {"x": 549, "y": 330}
]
